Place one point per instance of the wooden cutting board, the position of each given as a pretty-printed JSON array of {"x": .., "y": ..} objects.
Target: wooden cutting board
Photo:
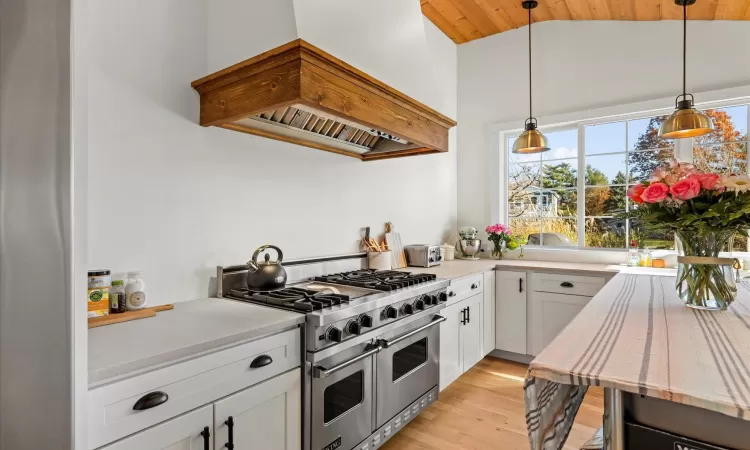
[
  {"x": 393, "y": 240},
  {"x": 95, "y": 322}
]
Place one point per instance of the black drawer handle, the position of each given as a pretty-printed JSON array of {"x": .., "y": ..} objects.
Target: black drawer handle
[
  {"x": 451, "y": 294},
  {"x": 206, "y": 433},
  {"x": 230, "y": 425},
  {"x": 520, "y": 285},
  {"x": 261, "y": 361},
  {"x": 567, "y": 284},
  {"x": 150, "y": 400},
  {"x": 474, "y": 286}
]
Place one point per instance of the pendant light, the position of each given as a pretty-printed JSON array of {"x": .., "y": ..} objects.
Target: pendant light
[
  {"x": 531, "y": 140},
  {"x": 686, "y": 121}
]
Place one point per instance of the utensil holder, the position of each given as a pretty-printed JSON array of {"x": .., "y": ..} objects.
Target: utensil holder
[{"x": 379, "y": 260}]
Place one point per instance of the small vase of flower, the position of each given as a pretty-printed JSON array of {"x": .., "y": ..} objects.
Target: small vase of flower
[
  {"x": 502, "y": 239},
  {"x": 705, "y": 211}
]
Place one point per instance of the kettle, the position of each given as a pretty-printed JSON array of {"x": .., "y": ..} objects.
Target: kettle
[{"x": 265, "y": 275}]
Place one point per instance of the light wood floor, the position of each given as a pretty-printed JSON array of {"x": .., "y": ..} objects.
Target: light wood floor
[{"x": 484, "y": 409}]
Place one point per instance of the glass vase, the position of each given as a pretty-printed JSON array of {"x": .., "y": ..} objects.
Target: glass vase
[
  {"x": 497, "y": 249},
  {"x": 704, "y": 279}
]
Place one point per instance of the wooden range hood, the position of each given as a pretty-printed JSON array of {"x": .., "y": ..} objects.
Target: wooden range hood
[{"x": 300, "y": 94}]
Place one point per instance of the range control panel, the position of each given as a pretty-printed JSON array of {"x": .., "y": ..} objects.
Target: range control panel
[{"x": 354, "y": 326}]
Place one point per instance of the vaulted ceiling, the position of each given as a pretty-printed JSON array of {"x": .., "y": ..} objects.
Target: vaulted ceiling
[{"x": 467, "y": 20}]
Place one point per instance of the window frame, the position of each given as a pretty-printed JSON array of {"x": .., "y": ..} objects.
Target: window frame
[{"x": 683, "y": 149}]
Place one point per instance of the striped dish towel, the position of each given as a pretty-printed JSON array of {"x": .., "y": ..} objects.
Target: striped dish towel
[{"x": 551, "y": 409}]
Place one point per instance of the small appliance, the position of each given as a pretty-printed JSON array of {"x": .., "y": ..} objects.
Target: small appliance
[
  {"x": 423, "y": 255},
  {"x": 468, "y": 246}
]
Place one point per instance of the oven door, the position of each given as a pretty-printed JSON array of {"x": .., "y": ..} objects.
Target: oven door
[
  {"x": 407, "y": 365},
  {"x": 342, "y": 398}
]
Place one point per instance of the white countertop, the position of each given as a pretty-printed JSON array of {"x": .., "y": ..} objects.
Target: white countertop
[
  {"x": 191, "y": 328},
  {"x": 460, "y": 268}
]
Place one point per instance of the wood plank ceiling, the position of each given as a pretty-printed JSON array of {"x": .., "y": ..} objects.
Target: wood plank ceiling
[{"x": 467, "y": 20}]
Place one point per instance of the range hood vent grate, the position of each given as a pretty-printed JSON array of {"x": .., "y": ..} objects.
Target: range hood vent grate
[{"x": 330, "y": 127}]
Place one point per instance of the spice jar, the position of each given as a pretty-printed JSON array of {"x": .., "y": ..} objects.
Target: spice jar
[
  {"x": 98, "y": 297},
  {"x": 117, "y": 299}
]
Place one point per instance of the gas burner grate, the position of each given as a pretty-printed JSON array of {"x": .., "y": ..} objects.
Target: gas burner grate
[
  {"x": 292, "y": 298},
  {"x": 382, "y": 280}
]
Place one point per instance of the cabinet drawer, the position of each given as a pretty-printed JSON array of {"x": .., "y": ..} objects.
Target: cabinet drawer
[
  {"x": 566, "y": 284},
  {"x": 464, "y": 288},
  {"x": 187, "y": 385}
]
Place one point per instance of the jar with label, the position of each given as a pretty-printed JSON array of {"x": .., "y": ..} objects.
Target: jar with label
[
  {"x": 135, "y": 291},
  {"x": 98, "y": 298},
  {"x": 117, "y": 299}
]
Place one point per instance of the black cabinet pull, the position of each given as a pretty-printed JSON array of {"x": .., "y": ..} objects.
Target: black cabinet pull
[
  {"x": 567, "y": 284},
  {"x": 463, "y": 316},
  {"x": 230, "y": 424},
  {"x": 206, "y": 434},
  {"x": 520, "y": 285},
  {"x": 474, "y": 286},
  {"x": 150, "y": 400},
  {"x": 261, "y": 361},
  {"x": 451, "y": 294},
  {"x": 468, "y": 314}
]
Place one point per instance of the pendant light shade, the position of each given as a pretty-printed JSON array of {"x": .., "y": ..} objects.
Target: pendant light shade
[
  {"x": 531, "y": 140},
  {"x": 686, "y": 121}
]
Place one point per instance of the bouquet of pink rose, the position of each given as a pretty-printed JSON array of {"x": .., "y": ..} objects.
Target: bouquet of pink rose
[
  {"x": 705, "y": 211},
  {"x": 501, "y": 235},
  {"x": 681, "y": 199}
]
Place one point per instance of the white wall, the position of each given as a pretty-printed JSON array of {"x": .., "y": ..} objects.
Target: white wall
[
  {"x": 175, "y": 199},
  {"x": 579, "y": 66}
]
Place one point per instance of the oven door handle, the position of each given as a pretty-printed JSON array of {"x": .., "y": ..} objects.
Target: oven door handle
[
  {"x": 322, "y": 372},
  {"x": 435, "y": 321}
]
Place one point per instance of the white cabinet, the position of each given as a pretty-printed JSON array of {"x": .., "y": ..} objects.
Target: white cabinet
[
  {"x": 460, "y": 338},
  {"x": 266, "y": 416},
  {"x": 551, "y": 313},
  {"x": 451, "y": 362},
  {"x": 471, "y": 332},
  {"x": 190, "y": 431},
  {"x": 488, "y": 313},
  {"x": 511, "y": 311}
]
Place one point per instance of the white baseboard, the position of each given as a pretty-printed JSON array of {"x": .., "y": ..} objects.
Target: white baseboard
[{"x": 510, "y": 356}]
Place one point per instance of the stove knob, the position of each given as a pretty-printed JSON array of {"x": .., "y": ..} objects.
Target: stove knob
[
  {"x": 365, "y": 321},
  {"x": 333, "y": 335},
  {"x": 407, "y": 309},
  {"x": 353, "y": 327},
  {"x": 443, "y": 297},
  {"x": 433, "y": 299},
  {"x": 391, "y": 312},
  {"x": 427, "y": 300},
  {"x": 419, "y": 305}
]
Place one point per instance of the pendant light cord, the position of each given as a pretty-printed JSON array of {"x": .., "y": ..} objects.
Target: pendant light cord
[
  {"x": 684, "y": 49},
  {"x": 530, "y": 115}
]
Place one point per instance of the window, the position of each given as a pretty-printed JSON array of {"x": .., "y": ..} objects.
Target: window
[
  {"x": 542, "y": 191},
  {"x": 550, "y": 204}
]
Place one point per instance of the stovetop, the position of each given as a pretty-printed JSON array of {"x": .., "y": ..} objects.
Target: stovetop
[
  {"x": 295, "y": 298},
  {"x": 331, "y": 298},
  {"x": 381, "y": 280}
]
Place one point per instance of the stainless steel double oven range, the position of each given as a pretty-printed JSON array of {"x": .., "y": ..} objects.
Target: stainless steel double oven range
[{"x": 372, "y": 345}]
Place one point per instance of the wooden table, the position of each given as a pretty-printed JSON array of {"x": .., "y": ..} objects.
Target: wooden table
[{"x": 636, "y": 336}]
